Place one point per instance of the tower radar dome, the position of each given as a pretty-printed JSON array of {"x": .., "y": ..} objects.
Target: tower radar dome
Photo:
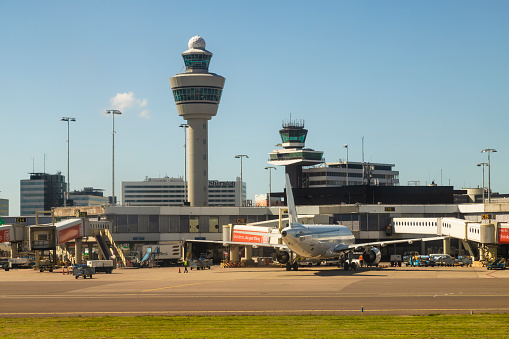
[{"x": 196, "y": 42}]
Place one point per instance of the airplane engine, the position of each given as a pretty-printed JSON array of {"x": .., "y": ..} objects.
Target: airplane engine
[
  {"x": 372, "y": 256},
  {"x": 283, "y": 257}
]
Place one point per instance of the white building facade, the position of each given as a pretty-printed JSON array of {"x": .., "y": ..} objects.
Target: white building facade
[
  {"x": 344, "y": 173},
  {"x": 171, "y": 192}
]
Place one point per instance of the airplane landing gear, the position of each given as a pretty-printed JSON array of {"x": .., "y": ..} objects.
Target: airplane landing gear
[{"x": 290, "y": 266}]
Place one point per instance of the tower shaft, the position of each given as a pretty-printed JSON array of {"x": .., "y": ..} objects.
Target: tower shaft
[{"x": 197, "y": 158}]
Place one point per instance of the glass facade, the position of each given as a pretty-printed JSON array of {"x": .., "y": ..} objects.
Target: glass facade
[
  {"x": 197, "y": 94},
  {"x": 197, "y": 61},
  {"x": 293, "y": 135}
]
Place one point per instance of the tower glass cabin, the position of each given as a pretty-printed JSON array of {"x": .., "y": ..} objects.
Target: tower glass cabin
[
  {"x": 197, "y": 94},
  {"x": 293, "y": 155}
]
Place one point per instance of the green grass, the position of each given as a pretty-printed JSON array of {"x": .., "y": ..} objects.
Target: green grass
[{"x": 432, "y": 326}]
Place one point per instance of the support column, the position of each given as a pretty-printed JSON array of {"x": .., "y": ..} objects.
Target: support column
[
  {"x": 249, "y": 253},
  {"x": 447, "y": 246},
  {"x": 90, "y": 249},
  {"x": 37, "y": 259},
  {"x": 14, "y": 250},
  {"x": 78, "y": 249},
  {"x": 460, "y": 247},
  {"x": 234, "y": 253},
  {"x": 423, "y": 248}
]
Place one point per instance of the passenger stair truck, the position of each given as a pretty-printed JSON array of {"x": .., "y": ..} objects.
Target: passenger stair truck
[{"x": 107, "y": 245}]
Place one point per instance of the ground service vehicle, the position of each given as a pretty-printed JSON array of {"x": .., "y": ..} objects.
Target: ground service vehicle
[
  {"x": 442, "y": 259},
  {"x": 105, "y": 266},
  {"x": 396, "y": 260},
  {"x": 498, "y": 264}
]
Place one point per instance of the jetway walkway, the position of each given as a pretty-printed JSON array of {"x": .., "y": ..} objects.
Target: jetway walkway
[{"x": 487, "y": 236}]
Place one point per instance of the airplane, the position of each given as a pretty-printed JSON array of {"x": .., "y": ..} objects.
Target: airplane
[{"x": 320, "y": 241}]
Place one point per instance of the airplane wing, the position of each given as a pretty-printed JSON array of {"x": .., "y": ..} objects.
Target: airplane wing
[
  {"x": 342, "y": 248},
  {"x": 226, "y": 243}
]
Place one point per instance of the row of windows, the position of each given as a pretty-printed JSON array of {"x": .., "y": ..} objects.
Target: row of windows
[
  {"x": 296, "y": 155},
  {"x": 416, "y": 223},
  {"x": 131, "y": 196},
  {"x": 294, "y": 135},
  {"x": 197, "y": 93},
  {"x": 154, "y": 186},
  {"x": 474, "y": 230},
  {"x": 152, "y": 201},
  {"x": 154, "y": 191},
  {"x": 197, "y": 60}
]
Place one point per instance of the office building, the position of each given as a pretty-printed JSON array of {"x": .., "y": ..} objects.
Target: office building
[
  {"x": 171, "y": 192},
  {"x": 4, "y": 207},
  {"x": 344, "y": 173},
  {"x": 41, "y": 192},
  {"x": 88, "y": 197}
]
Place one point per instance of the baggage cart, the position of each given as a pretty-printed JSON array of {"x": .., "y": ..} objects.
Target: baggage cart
[{"x": 83, "y": 271}]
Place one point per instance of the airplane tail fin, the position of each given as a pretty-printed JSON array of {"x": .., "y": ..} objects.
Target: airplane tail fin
[{"x": 292, "y": 211}]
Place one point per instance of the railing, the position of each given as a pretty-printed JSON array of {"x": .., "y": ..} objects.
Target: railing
[{"x": 118, "y": 252}]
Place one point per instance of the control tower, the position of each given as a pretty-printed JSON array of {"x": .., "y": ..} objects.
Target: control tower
[
  {"x": 197, "y": 94},
  {"x": 293, "y": 155}
]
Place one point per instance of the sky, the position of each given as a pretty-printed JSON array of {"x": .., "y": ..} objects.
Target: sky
[{"x": 424, "y": 82}]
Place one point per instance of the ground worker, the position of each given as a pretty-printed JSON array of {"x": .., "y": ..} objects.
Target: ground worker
[
  {"x": 185, "y": 266},
  {"x": 361, "y": 261}
]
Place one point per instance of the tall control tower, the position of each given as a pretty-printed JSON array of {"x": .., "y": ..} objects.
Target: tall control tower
[
  {"x": 197, "y": 94},
  {"x": 293, "y": 155}
]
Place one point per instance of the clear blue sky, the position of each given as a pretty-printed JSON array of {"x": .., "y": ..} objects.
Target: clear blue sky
[{"x": 425, "y": 83}]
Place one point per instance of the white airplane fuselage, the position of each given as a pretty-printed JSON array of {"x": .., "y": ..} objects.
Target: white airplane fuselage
[{"x": 316, "y": 241}]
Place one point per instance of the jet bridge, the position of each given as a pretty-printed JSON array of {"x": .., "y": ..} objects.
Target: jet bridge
[{"x": 487, "y": 236}]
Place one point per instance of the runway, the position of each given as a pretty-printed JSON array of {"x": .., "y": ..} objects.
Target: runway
[{"x": 262, "y": 291}]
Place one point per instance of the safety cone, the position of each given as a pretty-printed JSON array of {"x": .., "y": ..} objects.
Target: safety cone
[{"x": 179, "y": 269}]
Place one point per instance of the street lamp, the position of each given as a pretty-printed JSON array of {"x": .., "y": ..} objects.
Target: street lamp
[
  {"x": 241, "y": 183},
  {"x": 68, "y": 179},
  {"x": 185, "y": 127},
  {"x": 270, "y": 168},
  {"x": 346, "y": 146},
  {"x": 113, "y": 112},
  {"x": 489, "y": 151},
  {"x": 483, "y": 164}
]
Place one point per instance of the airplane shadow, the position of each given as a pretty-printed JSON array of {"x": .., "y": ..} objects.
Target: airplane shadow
[{"x": 365, "y": 272}]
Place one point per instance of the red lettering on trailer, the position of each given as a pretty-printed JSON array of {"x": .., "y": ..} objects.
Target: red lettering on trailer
[
  {"x": 5, "y": 236},
  {"x": 503, "y": 235}
]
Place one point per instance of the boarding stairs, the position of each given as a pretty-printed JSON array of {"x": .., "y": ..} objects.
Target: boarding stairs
[{"x": 107, "y": 245}]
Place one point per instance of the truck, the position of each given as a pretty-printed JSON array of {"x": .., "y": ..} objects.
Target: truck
[
  {"x": 164, "y": 254},
  {"x": 443, "y": 259},
  {"x": 105, "y": 266}
]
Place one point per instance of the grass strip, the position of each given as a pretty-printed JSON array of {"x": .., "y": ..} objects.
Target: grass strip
[{"x": 431, "y": 326}]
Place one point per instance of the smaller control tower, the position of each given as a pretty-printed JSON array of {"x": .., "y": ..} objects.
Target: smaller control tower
[
  {"x": 293, "y": 155},
  {"x": 197, "y": 94}
]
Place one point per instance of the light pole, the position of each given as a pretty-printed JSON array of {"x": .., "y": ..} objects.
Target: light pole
[
  {"x": 241, "y": 183},
  {"x": 346, "y": 146},
  {"x": 113, "y": 112},
  {"x": 185, "y": 127},
  {"x": 270, "y": 168},
  {"x": 68, "y": 186},
  {"x": 489, "y": 151},
  {"x": 483, "y": 164}
]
